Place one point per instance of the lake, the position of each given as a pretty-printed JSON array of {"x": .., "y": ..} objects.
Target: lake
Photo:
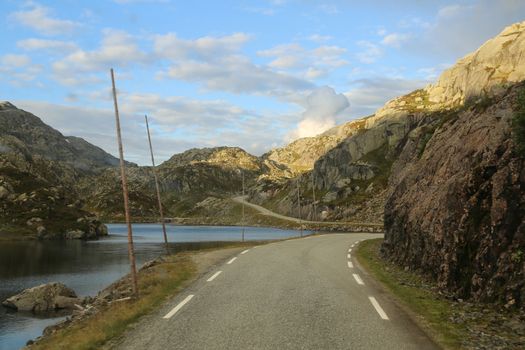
[{"x": 89, "y": 266}]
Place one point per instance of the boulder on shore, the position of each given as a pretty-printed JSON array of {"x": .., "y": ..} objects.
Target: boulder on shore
[{"x": 46, "y": 297}]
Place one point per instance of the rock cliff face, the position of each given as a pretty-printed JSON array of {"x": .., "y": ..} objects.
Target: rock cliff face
[
  {"x": 301, "y": 154},
  {"x": 495, "y": 65},
  {"x": 456, "y": 209}
]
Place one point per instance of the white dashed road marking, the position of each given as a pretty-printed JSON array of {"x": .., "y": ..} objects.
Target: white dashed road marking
[
  {"x": 214, "y": 276},
  {"x": 178, "y": 307},
  {"x": 232, "y": 260},
  {"x": 378, "y": 308},
  {"x": 245, "y": 251},
  {"x": 358, "y": 279},
  {"x": 350, "y": 265}
]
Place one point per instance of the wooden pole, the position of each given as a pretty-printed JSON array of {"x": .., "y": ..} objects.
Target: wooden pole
[
  {"x": 242, "y": 171},
  {"x": 314, "y": 217},
  {"x": 131, "y": 251},
  {"x": 157, "y": 187},
  {"x": 299, "y": 205}
]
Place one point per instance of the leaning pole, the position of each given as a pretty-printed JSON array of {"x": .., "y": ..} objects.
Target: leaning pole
[
  {"x": 157, "y": 187},
  {"x": 131, "y": 251}
]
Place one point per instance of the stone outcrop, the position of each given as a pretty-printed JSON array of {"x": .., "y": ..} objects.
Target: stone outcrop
[
  {"x": 496, "y": 64},
  {"x": 457, "y": 208},
  {"x": 300, "y": 155},
  {"x": 44, "y": 298}
]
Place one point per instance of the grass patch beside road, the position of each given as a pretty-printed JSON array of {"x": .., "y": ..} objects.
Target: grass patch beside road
[
  {"x": 453, "y": 324},
  {"x": 156, "y": 284},
  {"x": 432, "y": 311}
]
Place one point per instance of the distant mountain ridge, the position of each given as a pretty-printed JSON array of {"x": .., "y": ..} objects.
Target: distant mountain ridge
[
  {"x": 25, "y": 132},
  {"x": 39, "y": 169}
]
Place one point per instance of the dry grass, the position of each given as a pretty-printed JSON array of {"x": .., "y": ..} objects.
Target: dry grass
[{"x": 156, "y": 284}]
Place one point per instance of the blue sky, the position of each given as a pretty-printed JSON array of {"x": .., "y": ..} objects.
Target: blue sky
[{"x": 254, "y": 74}]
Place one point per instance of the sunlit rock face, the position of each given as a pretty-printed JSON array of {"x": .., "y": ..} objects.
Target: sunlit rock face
[{"x": 456, "y": 209}]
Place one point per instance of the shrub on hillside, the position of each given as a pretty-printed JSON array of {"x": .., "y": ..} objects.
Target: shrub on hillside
[{"x": 518, "y": 124}]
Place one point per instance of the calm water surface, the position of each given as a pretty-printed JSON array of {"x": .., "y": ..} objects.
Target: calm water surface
[{"x": 87, "y": 267}]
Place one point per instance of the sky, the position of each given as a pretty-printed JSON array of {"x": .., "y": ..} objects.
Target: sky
[{"x": 253, "y": 74}]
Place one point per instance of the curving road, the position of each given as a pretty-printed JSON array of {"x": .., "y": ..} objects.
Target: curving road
[
  {"x": 303, "y": 293},
  {"x": 268, "y": 212}
]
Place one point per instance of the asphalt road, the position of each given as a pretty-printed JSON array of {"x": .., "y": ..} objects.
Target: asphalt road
[{"x": 299, "y": 294}]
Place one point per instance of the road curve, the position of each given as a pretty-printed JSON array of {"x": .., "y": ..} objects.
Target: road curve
[
  {"x": 303, "y": 293},
  {"x": 268, "y": 212}
]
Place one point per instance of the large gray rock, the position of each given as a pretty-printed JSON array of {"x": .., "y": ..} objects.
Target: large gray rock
[
  {"x": 43, "y": 298},
  {"x": 498, "y": 62}
]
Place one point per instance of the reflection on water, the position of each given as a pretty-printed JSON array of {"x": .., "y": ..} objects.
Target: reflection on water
[{"x": 88, "y": 267}]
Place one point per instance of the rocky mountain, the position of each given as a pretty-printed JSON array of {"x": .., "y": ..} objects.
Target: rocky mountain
[
  {"x": 24, "y": 132},
  {"x": 38, "y": 170},
  {"x": 301, "y": 154},
  {"x": 186, "y": 180},
  {"x": 350, "y": 172},
  {"x": 457, "y": 206}
]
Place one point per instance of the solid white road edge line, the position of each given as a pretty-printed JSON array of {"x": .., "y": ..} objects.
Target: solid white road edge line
[
  {"x": 378, "y": 308},
  {"x": 245, "y": 251},
  {"x": 232, "y": 260},
  {"x": 214, "y": 275},
  {"x": 178, "y": 307},
  {"x": 358, "y": 279},
  {"x": 350, "y": 265}
]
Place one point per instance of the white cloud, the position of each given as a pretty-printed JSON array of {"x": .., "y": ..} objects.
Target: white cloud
[
  {"x": 236, "y": 74},
  {"x": 44, "y": 44},
  {"x": 172, "y": 47},
  {"x": 395, "y": 39},
  {"x": 322, "y": 107},
  {"x": 370, "y": 52},
  {"x": 367, "y": 95},
  {"x": 18, "y": 70},
  {"x": 125, "y": 2},
  {"x": 80, "y": 67},
  {"x": 309, "y": 63},
  {"x": 452, "y": 11},
  {"x": 318, "y": 38},
  {"x": 329, "y": 9},
  {"x": 15, "y": 61},
  {"x": 288, "y": 61},
  {"x": 202, "y": 124},
  {"x": 39, "y": 18},
  {"x": 459, "y": 29},
  {"x": 218, "y": 64}
]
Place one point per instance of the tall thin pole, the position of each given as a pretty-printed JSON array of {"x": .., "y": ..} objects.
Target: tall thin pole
[
  {"x": 242, "y": 171},
  {"x": 157, "y": 187},
  {"x": 314, "y": 217},
  {"x": 131, "y": 252},
  {"x": 299, "y": 205}
]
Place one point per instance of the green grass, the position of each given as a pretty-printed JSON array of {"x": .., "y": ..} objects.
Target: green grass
[{"x": 432, "y": 311}]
